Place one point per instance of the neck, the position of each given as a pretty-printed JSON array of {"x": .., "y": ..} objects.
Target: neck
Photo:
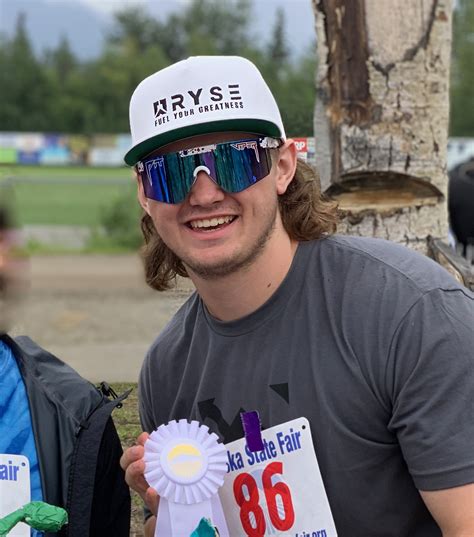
[{"x": 241, "y": 293}]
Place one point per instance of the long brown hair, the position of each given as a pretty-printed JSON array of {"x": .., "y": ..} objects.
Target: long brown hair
[{"x": 305, "y": 212}]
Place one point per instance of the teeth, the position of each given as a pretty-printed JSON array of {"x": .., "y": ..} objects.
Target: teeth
[{"x": 212, "y": 222}]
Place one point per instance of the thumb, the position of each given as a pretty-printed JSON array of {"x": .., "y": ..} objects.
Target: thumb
[{"x": 152, "y": 500}]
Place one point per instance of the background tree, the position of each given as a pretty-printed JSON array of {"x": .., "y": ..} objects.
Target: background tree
[
  {"x": 23, "y": 88},
  {"x": 297, "y": 95},
  {"x": 65, "y": 95},
  {"x": 61, "y": 60},
  {"x": 278, "y": 51},
  {"x": 462, "y": 71},
  {"x": 60, "y": 67},
  {"x": 215, "y": 26}
]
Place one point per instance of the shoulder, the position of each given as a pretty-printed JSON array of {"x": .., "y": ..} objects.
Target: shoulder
[
  {"x": 376, "y": 261},
  {"x": 376, "y": 283},
  {"x": 48, "y": 377}
]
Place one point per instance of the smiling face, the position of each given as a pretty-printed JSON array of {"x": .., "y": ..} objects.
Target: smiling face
[{"x": 216, "y": 233}]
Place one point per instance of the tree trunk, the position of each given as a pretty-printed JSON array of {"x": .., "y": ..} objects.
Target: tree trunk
[{"x": 381, "y": 117}]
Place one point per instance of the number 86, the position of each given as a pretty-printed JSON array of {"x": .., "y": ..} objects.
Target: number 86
[{"x": 272, "y": 492}]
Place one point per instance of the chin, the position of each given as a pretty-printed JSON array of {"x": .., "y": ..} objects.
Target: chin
[{"x": 222, "y": 266}]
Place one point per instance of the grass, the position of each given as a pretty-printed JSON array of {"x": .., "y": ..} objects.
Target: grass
[
  {"x": 126, "y": 418},
  {"x": 72, "y": 204},
  {"x": 73, "y": 196},
  {"x": 97, "y": 245},
  {"x": 101, "y": 199},
  {"x": 128, "y": 426}
]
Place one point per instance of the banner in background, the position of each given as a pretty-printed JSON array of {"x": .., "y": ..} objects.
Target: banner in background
[
  {"x": 8, "y": 148},
  {"x": 55, "y": 150},
  {"x": 109, "y": 149},
  {"x": 79, "y": 146},
  {"x": 305, "y": 149}
]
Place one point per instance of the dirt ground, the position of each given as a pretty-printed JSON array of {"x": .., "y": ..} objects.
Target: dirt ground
[{"x": 95, "y": 312}]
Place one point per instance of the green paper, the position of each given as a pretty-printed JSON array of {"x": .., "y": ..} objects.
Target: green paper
[
  {"x": 10, "y": 521},
  {"x": 205, "y": 529},
  {"x": 45, "y": 517},
  {"x": 39, "y": 515}
]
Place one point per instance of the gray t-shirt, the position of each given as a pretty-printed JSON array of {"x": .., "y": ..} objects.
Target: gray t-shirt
[{"x": 372, "y": 343}]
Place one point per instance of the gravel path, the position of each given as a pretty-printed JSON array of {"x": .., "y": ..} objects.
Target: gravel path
[{"x": 96, "y": 313}]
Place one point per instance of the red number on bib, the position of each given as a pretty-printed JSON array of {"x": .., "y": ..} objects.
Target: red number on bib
[
  {"x": 249, "y": 506},
  {"x": 271, "y": 494}
]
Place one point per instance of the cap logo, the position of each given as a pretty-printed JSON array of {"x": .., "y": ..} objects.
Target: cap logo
[
  {"x": 197, "y": 101},
  {"x": 160, "y": 107}
]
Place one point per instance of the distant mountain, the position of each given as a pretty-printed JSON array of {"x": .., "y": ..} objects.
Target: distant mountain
[{"x": 47, "y": 21}]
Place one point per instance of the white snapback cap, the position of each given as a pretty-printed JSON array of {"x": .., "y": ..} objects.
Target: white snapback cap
[{"x": 200, "y": 95}]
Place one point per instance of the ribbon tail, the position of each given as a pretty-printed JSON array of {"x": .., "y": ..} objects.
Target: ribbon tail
[
  {"x": 218, "y": 518},
  {"x": 163, "y": 520},
  {"x": 179, "y": 520},
  {"x": 185, "y": 518}
]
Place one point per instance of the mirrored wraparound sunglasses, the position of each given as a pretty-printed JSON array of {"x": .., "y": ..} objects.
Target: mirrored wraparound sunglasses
[{"x": 233, "y": 166}]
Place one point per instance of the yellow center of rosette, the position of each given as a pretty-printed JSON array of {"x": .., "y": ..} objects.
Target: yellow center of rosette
[{"x": 185, "y": 460}]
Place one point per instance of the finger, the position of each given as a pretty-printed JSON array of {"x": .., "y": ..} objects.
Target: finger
[
  {"x": 131, "y": 455},
  {"x": 143, "y": 437},
  {"x": 152, "y": 500},
  {"x": 135, "y": 479},
  {"x": 150, "y": 526}
]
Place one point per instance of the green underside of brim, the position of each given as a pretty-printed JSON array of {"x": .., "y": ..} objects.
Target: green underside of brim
[{"x": 257, "y": 126}]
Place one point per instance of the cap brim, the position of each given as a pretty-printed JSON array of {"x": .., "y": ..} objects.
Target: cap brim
[{"x": 258, "y": 126}]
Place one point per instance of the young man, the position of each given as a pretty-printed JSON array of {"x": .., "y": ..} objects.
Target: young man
[
  {"x": 369, "y": 341},
  {"x": 60, "y": 422}
]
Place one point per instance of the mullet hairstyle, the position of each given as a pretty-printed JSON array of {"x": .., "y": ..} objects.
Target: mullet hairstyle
[{"x": 306, "y": 213}]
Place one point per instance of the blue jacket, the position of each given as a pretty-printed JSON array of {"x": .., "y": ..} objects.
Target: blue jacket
[{"x": 77, "y": 444}]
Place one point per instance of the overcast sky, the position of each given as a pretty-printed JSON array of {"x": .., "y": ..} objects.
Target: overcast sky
[{"x": 86, "y": 22}]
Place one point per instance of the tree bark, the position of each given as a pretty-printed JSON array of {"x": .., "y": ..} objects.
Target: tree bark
[{"x": 381, "y": 117}]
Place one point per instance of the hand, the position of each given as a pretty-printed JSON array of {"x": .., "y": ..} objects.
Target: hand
[{"x": 133, "y": 465}]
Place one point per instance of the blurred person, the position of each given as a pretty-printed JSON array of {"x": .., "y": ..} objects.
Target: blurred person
[
  {"x": 59, "y": 421},
  {"x": 370, "y": 341},
  {"x": 6, "y": 268},
  {"x": 461, "y": 203}
]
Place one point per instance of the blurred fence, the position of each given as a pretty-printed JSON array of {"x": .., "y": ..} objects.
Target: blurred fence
[
  {"x": 98, "y": 150},
  {"x": 108, "y": 149},
  {"x": 61, "y": 149}
]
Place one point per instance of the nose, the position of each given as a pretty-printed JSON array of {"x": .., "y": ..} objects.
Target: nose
[{"x": 205, "y": 191}]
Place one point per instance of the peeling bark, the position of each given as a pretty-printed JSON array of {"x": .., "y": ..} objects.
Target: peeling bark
[
  {"x": 382, "y": 109},
  {"x": 425, "y": 38}
]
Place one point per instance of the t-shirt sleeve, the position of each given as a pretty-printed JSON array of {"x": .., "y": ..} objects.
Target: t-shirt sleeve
[
  {"x": 144, "y": 393},
  {"x": 430, "y": 377},
  {"x": 144, "y": 410}
]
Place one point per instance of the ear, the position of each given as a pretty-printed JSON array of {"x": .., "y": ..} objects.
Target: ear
[
  {"x": 286, "y": 165},
  {"x": 143, "y": 200}
]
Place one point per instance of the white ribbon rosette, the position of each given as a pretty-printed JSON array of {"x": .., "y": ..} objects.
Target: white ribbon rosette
[{"x": 186, "y": 465}]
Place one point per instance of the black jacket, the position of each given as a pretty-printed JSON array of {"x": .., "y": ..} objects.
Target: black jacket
[{"x": 77, "y": 445}]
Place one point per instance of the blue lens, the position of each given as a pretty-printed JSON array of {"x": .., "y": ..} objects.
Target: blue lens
[{"x": 233, "y": 166}]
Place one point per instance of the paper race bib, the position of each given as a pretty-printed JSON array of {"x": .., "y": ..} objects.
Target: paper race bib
[
  {"x": 14, "y": 489},
  {"x": 279, "y": 490}
]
